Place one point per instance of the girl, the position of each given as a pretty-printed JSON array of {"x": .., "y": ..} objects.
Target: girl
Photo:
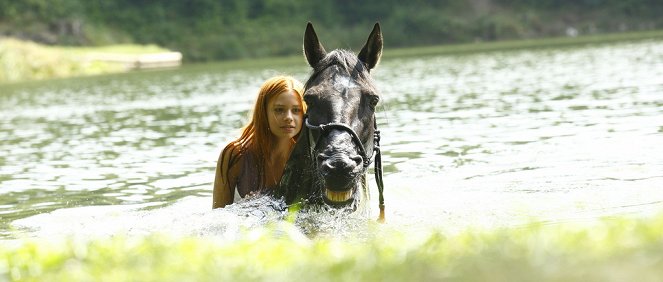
[{"x": 254, "y": 162}]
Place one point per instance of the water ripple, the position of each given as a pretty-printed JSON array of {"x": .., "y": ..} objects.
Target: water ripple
[{"x": 482, "y": 137}]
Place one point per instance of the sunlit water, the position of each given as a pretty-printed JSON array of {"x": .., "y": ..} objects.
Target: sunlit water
[{"x": 479, "y": 140}]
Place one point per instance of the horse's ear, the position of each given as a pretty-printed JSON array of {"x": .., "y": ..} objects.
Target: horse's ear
[
  {"x": 372, "y": 50},
  {"x": 313, "y": 50}
]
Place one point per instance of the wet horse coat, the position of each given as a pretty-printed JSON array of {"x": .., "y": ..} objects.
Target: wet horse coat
[{"x": 329, "y": 162}]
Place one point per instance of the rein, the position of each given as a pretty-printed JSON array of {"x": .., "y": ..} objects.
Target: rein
[{"x": 326, "y": 128}]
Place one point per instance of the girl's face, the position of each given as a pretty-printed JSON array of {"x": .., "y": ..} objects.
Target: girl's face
[{"x": 285, "y": 115}]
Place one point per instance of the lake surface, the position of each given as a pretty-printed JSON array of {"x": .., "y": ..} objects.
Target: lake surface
[{"x": 487, "y": 139}]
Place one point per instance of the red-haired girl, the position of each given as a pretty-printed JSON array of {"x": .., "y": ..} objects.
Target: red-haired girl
[{"x": 255, "y": 161}]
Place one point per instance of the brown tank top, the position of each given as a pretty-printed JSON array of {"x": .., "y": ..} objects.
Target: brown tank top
[{"x": 249, "y": 178}]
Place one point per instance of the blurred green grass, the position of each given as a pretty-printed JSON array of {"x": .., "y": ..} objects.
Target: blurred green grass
[{"x": 614, "y": 249}]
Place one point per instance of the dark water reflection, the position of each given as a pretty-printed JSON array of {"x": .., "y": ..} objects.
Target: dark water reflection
[{"x": 482, "y": 138}]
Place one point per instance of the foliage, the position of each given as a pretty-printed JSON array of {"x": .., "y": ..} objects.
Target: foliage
[
  {"x": 229, "y": 29},
  {"x": 614, "y": 249}
]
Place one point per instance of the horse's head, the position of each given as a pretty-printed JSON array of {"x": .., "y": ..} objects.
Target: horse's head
[{"x": 341, "y": 99}]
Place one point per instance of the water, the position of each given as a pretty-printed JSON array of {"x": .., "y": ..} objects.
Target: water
[{"x": 479, "y": 140}]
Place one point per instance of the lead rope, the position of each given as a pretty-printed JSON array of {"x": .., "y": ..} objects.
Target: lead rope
[{"x": 378, "y": 171}]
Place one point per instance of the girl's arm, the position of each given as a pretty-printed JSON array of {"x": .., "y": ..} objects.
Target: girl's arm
[{"x": 224, "y": 185}]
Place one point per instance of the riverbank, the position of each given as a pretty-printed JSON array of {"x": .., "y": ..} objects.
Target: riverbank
[
  {"x": 232, "y": 29},
  {"x": 614, "y": 249},
  {"x": 24, "y": 60}
]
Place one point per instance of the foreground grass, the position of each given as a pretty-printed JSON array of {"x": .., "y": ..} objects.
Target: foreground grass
[
  {"x": 613, "y": 250},
  {"x": 23, "y": 60}
]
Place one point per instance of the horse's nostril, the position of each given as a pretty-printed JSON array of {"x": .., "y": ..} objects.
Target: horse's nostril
[
  {"x": 339, "y": 164},
  {"x": 327, "y": 167},
  {"x": 358, "y": 160}
]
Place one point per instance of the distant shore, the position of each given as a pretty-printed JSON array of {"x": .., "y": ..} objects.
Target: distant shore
[{"x": 24, "y": 61}]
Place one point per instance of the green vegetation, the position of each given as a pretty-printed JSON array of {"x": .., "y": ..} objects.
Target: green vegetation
[
  {"x": 18, "y": 63},
  {"x": 206, "y": 30},
  {"x": 615, "y": 249},
  {"x": 209, "y": 30},
  {"x": 22, "y": 60}
]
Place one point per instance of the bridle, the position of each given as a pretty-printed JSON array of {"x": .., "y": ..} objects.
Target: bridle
[{"x": 324, "y": 130}]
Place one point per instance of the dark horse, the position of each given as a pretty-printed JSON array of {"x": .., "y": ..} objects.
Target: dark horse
[{"x": 329, "y": 162}]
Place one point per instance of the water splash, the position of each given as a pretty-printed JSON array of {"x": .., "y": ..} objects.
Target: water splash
[{"x": 192, "y": 216}]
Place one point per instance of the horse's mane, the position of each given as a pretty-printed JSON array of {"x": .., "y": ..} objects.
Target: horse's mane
[{"x": 348, "y": 63}]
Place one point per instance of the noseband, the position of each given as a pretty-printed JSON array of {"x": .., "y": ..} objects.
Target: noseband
[{"x": 324, "y": 130}]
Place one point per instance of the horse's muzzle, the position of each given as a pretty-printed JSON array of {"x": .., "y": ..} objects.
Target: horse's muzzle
[
  {"x": 339, "y": 169},
  {"x": 339, "y": 173}
]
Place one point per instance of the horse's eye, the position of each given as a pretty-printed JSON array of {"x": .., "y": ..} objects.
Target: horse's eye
[{"x": 374, "y": 101}]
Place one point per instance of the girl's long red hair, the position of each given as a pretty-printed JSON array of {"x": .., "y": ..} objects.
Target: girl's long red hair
[{"x": 256, "y": 136}]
